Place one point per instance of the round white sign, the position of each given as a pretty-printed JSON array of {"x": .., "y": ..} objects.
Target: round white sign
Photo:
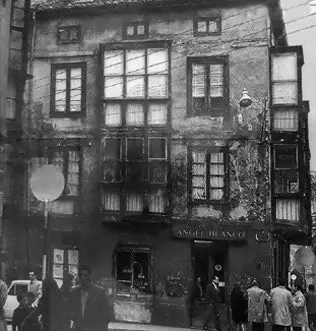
[{"x": 47, "y": 183}]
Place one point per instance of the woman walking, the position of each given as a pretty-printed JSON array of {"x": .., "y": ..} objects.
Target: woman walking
[{"x": 239, "y": 305}]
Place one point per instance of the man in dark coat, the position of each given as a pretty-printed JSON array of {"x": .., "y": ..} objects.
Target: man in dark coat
[
  {"x": 213, "y": 298},
  {"x": 89, "y": 307}
]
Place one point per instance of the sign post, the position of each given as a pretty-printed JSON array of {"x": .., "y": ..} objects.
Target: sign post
[{"x": 47, "y": 184}]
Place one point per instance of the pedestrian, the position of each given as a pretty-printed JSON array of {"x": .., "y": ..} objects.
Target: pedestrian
[
  {"x": 3, "y": 299},
  {"x": 311, "y": 306},
  {"x": 89, "y": 307},
  {"x": 238, "y": 303},
  {"x": 21, "y": 312},
  {"x": 213, "y": 297},
  {"x": 299, "y": 316},
  {"x": 257, "y": 306},
  {"x": 35, "y": 287},
  {"x": 65, "y": 290},
  {"x": 50, "y": 307},
  {"x": 282, "y": 306},
  {"x": 197, "y": 297},
  {"x": 31, "y": 324}
]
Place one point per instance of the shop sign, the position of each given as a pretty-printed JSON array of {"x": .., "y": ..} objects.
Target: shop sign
[{"x": 192, "y": 232}]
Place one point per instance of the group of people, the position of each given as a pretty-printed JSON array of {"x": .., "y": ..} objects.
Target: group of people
[
  {"x": 49, "y": 308},
  {"x": 283, "y": 307}
]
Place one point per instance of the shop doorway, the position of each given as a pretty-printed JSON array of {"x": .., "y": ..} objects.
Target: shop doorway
[{"x": 209, "y": 259}]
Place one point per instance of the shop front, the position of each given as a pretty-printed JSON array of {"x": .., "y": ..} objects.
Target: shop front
[{"x": 232, "y": 252}]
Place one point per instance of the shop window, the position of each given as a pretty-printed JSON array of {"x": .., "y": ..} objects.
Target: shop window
[
  {"x": 203, "y": 26},
  {"x": 65, "y": 262},
  {"x": 68, "y": 90},
  {"x": 135, "y": 30},
  {"x": 286, "y": 172},
  {"x": 208, "y": 171},
  {"x": 69, "y": 34},
  {"x": 136, "y": 84},
  {"x": 284, "y": 79},
  {"x": 132, "y": 269},
  {"x": 285, "y": 120},
  {"x": 207, "y": 86}
]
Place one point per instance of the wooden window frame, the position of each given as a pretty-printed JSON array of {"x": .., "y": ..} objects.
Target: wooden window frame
[
  {"x": 124, "y": 186},
  {"x": 68, "y": 67},
  {"x": 207, "y": 20},
  {"x": 208, "y": 60},
  {"x": 145, "y": 101},
  {"x": 68, "y": 28},
  {"x": 135, "y": 26},
  {"x": 286, "y": 172},
  {"x": 132, "y": 249},
  {"x": 279, "y": 50},
  {"x": 225, "y": 152},
  {"x": 65, "y": 150}
]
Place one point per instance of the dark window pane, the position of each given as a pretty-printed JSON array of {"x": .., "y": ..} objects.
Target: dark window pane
[
  {"x": 62, "y": 35},
  {"x": 157, "y": 171},
  {"x": 286, "y": 181},
  {"x": 157, "y": 148},
  {"x": 216, "y": 103},
  {"x": 285, "y": 158},
  {"x": 74, "y": 34},
  {"x": 134, "y": 172},
  {"x": 135, "y": 149},
  {"x": 112, "y": 149},
  {"x": 123, "y": 266},
  {"x": 112, "y": 171},
  {"x": 198, "y": 105},
  {"x": 20, "y": 288}
]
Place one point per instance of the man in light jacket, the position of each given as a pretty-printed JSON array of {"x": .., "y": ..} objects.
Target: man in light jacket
[
  {"x": 257, "y": 310},
  {"x": 299, "y": 317},
  {"x": 282, "y": 307}
]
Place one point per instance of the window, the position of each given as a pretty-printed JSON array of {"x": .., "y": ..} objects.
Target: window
[
  {"x": 135, "y": 30},
  {"x": 68, "y": 162},
  {"x": 136, "y": 87},
  {"x": 203, "y": 26},
  {"x": 286, "y": 169},
  {"x": 133, "y": 265},
  {"x": 208, "y": 175},
  {"x": 68, "y": 90},
  {"x": 144, "y": 176},
  {"x": 285, "y": 120},
  {"x": 207, "y": 86},
  {"x": 288, "y": 210},
  {"x": 65, "y": 262},
  {"x": 157, "y": 160},
  {"x": 112, "y": 160},
  {"x": 284, "y": 79},
  {"x": 69, "y": 34}
]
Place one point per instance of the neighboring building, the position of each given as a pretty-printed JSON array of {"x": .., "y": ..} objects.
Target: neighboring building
[
  {"x": 167, "y": 177},
  {"x": 14, "y": 18}
]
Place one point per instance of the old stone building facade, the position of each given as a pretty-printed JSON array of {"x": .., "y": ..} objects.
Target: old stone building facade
[{"x": 168, "y": 176}]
